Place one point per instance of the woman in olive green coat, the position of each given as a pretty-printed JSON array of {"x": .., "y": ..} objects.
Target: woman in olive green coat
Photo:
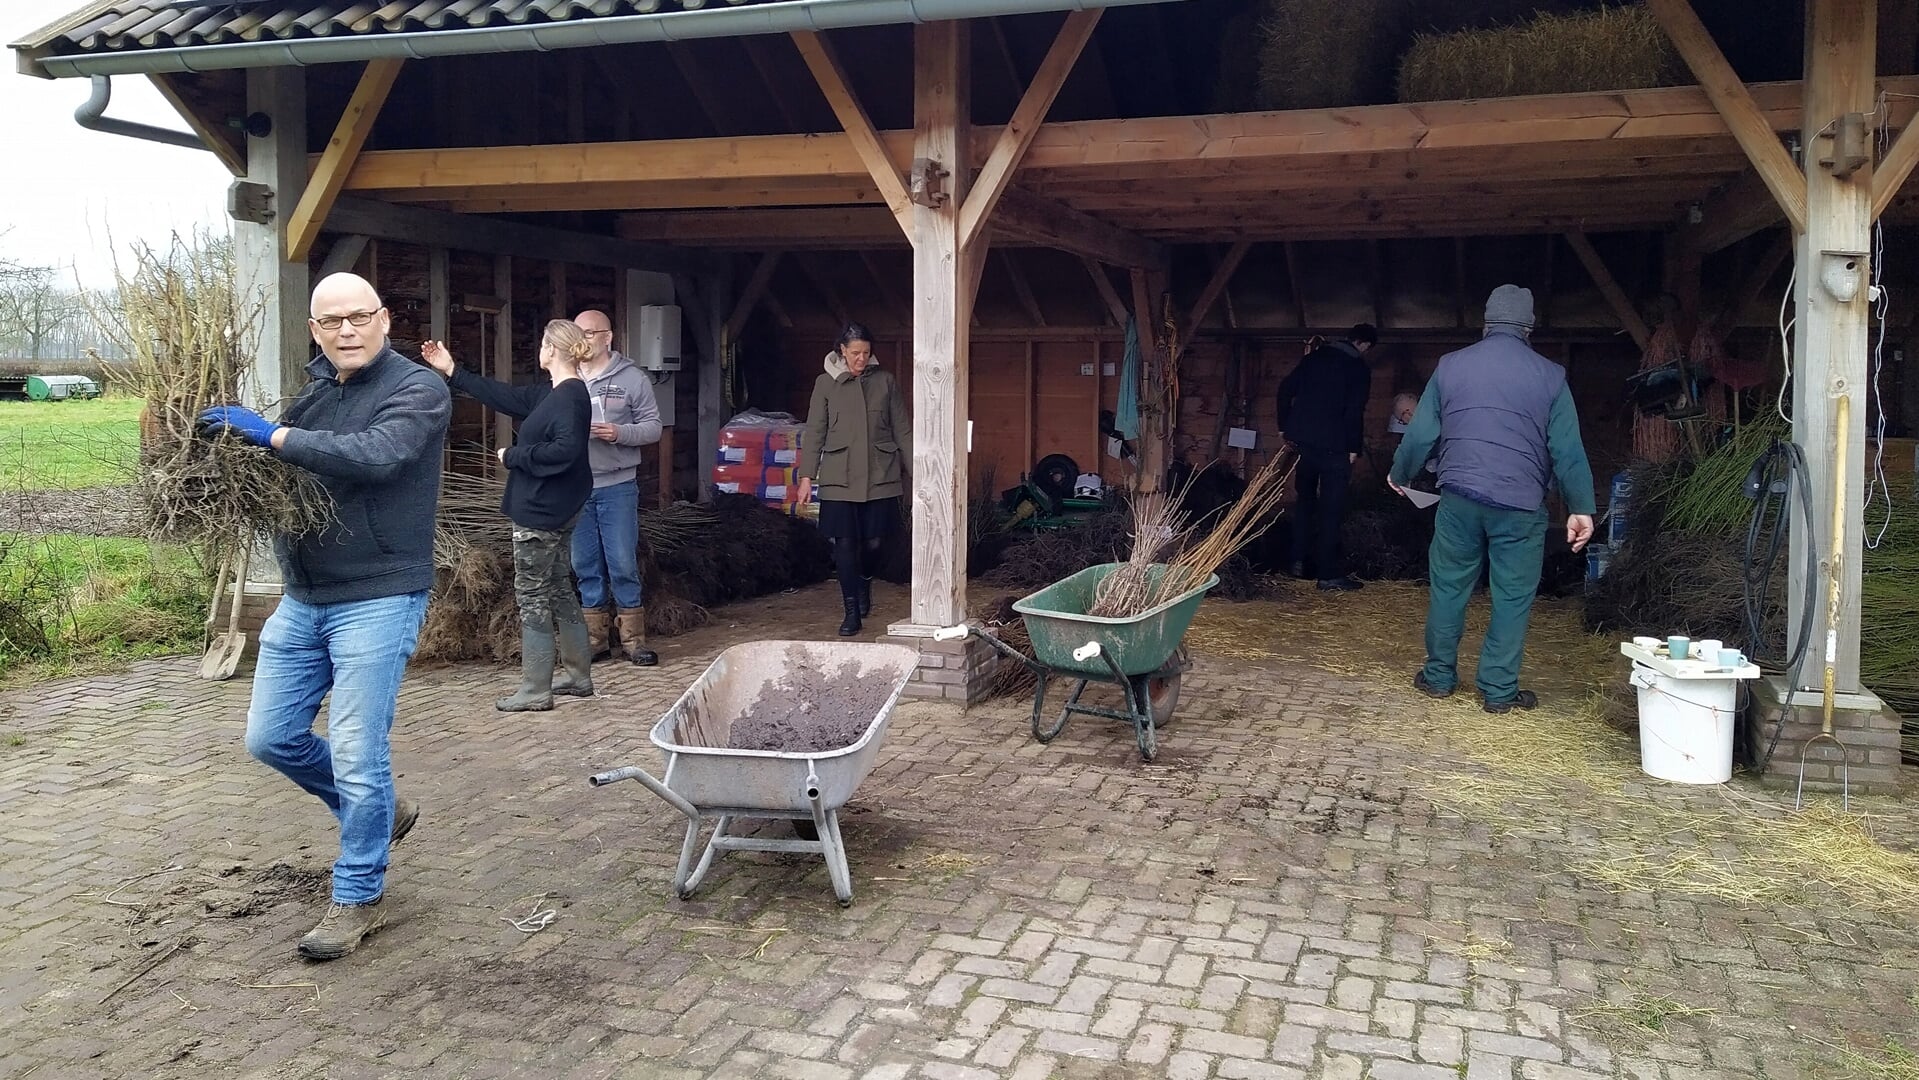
[{"x": 857, "y": 446}]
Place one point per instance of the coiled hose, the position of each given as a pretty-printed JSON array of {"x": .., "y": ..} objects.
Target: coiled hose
[{"x": 1776, "y": 479}]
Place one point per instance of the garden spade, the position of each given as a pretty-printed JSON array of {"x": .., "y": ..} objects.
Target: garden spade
[{"x": 223, "y": 654}]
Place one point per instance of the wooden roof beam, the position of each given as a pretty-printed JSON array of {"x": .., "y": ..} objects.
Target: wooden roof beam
[
  {"x": 1025, "y": 123},
  {"x": 469, "y": 232},
  {"x": 1216, "y": 285},
  {"x": 1115, "y": 307},
  {"x": 1893, "y": 170},
  {"x": 1052, "y": 224},
  {"x": 751, "y": 295},
  {"x": 1293, "y": 280},
  {"x": 823, "y": 285},
  {"x": 1732, "y": 213},
  {"x": 1021, "y": 289},
  {"x": 1735, "y": 104},
  {"x": 336, "y": 161},
  {"x": 897, "y": 306},
  {"x": 879, "y": 162},
  {"x": 218, "y": 137},
  {"x": 1629, "y": 316}
]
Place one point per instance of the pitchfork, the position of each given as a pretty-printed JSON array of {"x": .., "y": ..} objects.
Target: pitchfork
[{"x": 1834, "y": 577}]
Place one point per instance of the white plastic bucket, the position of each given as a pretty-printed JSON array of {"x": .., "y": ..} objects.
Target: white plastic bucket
[{"x": 1685, "y": 727}]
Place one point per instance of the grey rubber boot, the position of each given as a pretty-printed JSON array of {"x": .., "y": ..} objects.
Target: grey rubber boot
[
  {"x": 536, "y": 673},
  {"x": 576, "y": 658}
]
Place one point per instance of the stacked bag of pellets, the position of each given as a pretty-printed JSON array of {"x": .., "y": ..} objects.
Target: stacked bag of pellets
[{"x": 759, "y": 455}]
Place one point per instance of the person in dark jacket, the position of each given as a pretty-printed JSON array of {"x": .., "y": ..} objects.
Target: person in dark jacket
[
  {"x": 1322, "y": 413},
  {"x": 857, "y": 446},
  {"x": 548, "y": 480},
  {"x": 370, "y": 426},
  {"x": 1503, "y": 418}
]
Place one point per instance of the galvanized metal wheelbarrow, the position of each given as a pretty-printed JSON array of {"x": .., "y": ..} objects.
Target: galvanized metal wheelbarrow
[
  {"x": 708, "y": 782},
  {"x": 1143, "y": 654}
]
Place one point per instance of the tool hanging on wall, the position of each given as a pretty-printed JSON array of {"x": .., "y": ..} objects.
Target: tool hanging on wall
[{"x": 1835, "y": 577}]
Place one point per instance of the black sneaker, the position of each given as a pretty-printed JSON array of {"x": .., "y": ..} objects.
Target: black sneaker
[
  {"x": 1525, "y": 699},
  {"x": 1420, "y": 684},
  {"x": 1340, "y": 584}
]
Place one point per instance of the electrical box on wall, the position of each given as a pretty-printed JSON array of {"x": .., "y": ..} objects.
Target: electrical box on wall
[{"x": 657, "y": 342}]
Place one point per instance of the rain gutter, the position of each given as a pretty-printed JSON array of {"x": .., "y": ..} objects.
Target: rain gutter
[
  {"x": 92, "y": 115},
  {"x": 781, "y": 17}
]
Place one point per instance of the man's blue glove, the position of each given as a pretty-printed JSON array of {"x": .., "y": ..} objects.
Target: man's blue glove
[{"x": 255, "y": 428}]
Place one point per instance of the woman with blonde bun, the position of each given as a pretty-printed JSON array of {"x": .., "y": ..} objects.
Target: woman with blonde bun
[{"x": 548, "y": 479}]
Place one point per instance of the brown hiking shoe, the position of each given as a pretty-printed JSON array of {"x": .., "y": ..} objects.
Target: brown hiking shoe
[
  {"x": 341, "y": 929},
  {"x": 405, "y": 813}
]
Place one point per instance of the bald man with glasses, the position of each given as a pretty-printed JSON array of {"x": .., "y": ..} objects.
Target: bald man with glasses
[{"x": 370, "y": 426}]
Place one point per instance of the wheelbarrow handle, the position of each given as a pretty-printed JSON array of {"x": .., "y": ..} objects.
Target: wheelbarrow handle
[
  {"x": 1087, "y": 651},
  {"x": 952, "y": 633},
  {"x": 653, "y": 784}
]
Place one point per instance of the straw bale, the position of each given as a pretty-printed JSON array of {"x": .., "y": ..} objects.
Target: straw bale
[
  {"x": 1612, "y": 48},
  {"x": 1318, "y": 54}
]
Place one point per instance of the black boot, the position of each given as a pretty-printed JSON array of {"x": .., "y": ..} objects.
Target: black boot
[
  {"x": 852, "y": 624},
  {"x": 866, "y": 597}
]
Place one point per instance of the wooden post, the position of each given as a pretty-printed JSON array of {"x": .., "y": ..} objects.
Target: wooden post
[
  {"x": 943, "y": 274},
  {"x": 1831, "y": 341},
  {"x": 271, "y": 281},
  {"x": 717, "y": 338},
  {"x": 503, "y": 343}
]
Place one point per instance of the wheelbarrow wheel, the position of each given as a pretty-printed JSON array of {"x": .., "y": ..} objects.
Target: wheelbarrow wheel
[{"x": 1161, "y": 692}]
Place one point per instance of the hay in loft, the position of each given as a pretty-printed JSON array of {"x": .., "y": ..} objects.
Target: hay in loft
[
  {"x": 1612, "y": 48},
  {"x": 1319, "y": 54}
]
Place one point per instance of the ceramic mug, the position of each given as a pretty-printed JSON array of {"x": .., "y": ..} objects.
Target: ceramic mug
[
  {"x": 1732, "y": 658},
  {"x": 1707, "y": 650},
  {"x": 1677, "y": 646}
]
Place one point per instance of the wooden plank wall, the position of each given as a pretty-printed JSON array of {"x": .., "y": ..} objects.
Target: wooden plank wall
[{"x": 1015, "y": 426}]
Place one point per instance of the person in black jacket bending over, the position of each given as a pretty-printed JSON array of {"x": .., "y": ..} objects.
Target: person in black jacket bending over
[
  {"x": 370, "y": 426},
  {"x": 548, "y": 480},
  {"x": 1322, "y": 414}
]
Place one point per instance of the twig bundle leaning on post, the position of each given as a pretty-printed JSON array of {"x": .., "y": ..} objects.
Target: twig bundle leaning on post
[{"x": 179, "y": 318}]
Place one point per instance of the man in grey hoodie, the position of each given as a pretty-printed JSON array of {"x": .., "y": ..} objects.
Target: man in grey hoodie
[{"x": 370, "y": 426}]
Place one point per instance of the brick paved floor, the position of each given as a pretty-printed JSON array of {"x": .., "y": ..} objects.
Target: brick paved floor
[{"x": 1276, "y": 896}]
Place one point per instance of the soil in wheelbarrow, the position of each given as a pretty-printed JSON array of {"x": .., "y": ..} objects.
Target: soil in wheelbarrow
[{"x": 810, "y": 710}]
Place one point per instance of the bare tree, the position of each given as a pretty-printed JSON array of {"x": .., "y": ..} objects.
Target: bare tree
[{"x": 35, "y": 310}]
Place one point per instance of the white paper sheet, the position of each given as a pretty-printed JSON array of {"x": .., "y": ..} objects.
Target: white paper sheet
[
  {"x": 1242, "y": 438},
  {"x": 1421, "y": 499}
]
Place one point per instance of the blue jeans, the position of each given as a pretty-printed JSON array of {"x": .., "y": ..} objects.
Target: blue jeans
[
  {"x": 606, "y": 547},
  {"x": 358, "y": 652}
]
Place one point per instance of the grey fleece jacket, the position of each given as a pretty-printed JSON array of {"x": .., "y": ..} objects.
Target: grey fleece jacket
[
  {"x": 374, "y": 441},
  {"x": 623, "y": 395}
]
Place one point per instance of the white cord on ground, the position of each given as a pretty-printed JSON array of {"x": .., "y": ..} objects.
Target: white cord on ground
[{"x": 539, "y": 919}]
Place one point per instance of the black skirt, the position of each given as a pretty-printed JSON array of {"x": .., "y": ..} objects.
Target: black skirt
[{"x": 874, "y": 520}]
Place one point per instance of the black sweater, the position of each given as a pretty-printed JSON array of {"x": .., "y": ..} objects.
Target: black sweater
[
  {"x": 548, "y": 475},
  {"x": 1322, "y": 404}
]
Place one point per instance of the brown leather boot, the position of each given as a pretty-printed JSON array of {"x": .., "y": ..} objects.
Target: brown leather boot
[
  {"x": 633, "y": 637},
  {"x": 599, "y": 630}
]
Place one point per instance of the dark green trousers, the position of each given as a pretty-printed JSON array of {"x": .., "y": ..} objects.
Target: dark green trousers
[{"x": 1511, "y": 546}]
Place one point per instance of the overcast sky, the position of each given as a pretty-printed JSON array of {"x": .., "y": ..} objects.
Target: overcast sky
[{"x": 65, "y": 189}]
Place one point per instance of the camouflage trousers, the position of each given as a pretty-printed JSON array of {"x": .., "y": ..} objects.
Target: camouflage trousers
[{"x": 542, "y": 581}]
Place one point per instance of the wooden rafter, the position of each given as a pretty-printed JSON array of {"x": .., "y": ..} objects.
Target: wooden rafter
[
  {"x": 700, "y": 80},
  {"x": 1759, "y": 274},
  {"x": 1053, "y": 224},
  {"x": 1293, "y": 280},
  {"x": 761, "y": 58},
  {"x": 751, "y": 295},
  {"x": 823, "y": 285},
  {"x": 336, "y": 161},
  {"x": 218, "y": 137},
  {"x": 1115, "y": 307},
  {"x": 897, "y": 306},
  {"x": 1216, "y": 285},
  {"x": 1021, "y": 289},
  {"x": 1027, "y": 118},
  {"x": 879, "y": 162},
  {"x": 1003, "y": 48},
  {"x": 1734, "y": 212},
  {"x": 344, "y": 255},
  {"x": 1621, "y": 304},
  {"x": 1735, "y": 104},
  {"x": 465, "y": 232},
  {"x": 1893, "y": 170}
]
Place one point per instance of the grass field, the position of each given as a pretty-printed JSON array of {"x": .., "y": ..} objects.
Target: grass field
[
  {"x": 63, "y": 445},
  {"x": 76, "y": 602}
]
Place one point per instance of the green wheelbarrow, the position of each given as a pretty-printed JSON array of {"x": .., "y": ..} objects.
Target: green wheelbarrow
[{"x": 1142, "y": 654}]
